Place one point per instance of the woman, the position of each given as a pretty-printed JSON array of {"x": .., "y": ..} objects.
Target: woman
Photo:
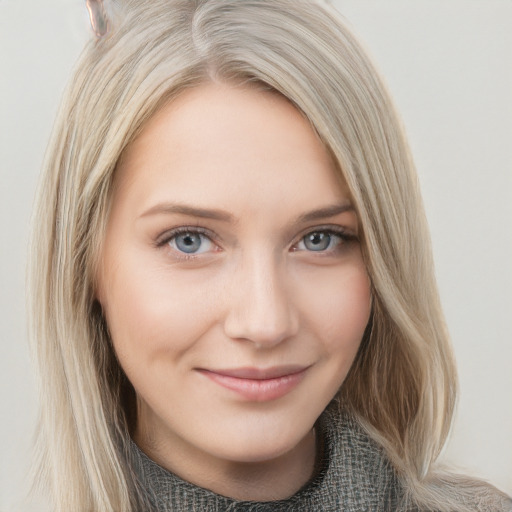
[{"x": 235, "y": 304}]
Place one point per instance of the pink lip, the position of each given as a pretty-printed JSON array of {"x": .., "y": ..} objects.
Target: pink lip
[{"x": 258, "y": 385}]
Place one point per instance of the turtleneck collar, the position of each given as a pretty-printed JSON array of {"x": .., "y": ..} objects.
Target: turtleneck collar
[{"x": 352, "y": 474}]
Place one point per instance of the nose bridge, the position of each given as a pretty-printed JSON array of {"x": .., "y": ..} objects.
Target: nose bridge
[{"x": 260, "y": 307}]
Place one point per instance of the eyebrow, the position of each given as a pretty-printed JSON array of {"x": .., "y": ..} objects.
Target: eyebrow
[
  {"x": 221, "y": 215},
  {"x": 324, "y": 213},
  {"x": 192, "y": 211}
]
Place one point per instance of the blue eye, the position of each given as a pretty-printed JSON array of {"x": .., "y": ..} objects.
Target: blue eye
[
  {"x": 190, "y": 242},
  {"x": 321, "y": 241},
  {"x": 318, "y": 241}
]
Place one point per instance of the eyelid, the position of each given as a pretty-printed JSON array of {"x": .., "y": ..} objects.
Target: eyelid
[
  {"x": 332, "y": 228},
  {"x": 346, "y": 234},
  {"x": 166, "y": 236}
]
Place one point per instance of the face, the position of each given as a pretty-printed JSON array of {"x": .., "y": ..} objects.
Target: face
[{"x": 231, "y": 278}]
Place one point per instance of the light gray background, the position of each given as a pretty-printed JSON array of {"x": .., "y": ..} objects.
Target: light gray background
[{"x": 449, "y": 66}]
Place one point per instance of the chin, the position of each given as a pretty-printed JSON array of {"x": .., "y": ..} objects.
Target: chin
[{"x": 262, "y": 447}]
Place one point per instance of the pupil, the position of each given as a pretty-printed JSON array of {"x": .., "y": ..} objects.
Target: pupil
[
  {"x": 317, "y": 241},
  {"x": 188, "y": 242}
]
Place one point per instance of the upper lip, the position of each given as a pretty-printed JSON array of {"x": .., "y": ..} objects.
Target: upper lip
[{"x": 254, "y": 373}]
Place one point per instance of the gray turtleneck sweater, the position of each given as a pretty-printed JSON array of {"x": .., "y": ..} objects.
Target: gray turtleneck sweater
[{"x": 353, "y": 475}]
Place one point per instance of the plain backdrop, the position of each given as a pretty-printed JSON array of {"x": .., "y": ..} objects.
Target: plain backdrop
[{"x": 448, "y": 64}]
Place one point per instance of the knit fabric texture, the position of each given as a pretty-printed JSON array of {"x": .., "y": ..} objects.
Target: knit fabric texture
[{"x": 353, "y": 475}]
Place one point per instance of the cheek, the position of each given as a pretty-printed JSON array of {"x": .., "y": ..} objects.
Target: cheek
[
  {"x": 339, "y": 309},
  {"x": 149, "y": 311}
]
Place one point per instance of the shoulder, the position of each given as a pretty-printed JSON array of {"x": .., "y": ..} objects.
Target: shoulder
[
  {"x": 471, "y": 495},
  {"x": 364, "y": 467}
]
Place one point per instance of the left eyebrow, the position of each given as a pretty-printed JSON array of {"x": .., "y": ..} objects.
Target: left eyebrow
[{"x": 324, "y": 213}]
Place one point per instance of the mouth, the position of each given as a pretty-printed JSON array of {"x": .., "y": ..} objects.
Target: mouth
[{"x": 258, "y": 384}]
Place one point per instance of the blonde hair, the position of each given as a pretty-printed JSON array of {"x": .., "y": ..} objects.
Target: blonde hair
[{"x": 402, "y": 385}]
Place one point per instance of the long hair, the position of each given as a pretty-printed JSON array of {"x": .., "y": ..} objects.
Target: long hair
[{"x": 402, "y": 385}]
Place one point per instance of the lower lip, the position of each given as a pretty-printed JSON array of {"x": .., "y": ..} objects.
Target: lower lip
[{"x": 258, "y": 390}]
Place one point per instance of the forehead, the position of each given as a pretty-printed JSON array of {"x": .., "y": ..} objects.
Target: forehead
[{"x": 219, "y": 143}]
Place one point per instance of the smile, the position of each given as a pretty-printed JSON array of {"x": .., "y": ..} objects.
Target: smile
[{"x": 258, "y": 385}]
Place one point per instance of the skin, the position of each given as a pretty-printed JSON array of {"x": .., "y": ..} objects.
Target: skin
[{"x": 253, "y": 294}]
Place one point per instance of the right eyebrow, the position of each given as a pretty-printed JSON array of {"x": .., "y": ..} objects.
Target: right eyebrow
[{"x": 186, "y": 209}]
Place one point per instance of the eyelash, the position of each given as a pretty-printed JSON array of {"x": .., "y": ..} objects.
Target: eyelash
[
  {"x": 164, "y": 239},
  {"x": 345, "y": 237}
]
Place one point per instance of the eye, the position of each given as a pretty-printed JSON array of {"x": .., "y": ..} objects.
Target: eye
[
  {"x": 317, "y": 241},
  {"x": 190, "y": 242},
  {"x": 322, "y": 240}
]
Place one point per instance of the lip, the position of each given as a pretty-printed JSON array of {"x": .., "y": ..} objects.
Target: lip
[{"x": 258, "y": 384}]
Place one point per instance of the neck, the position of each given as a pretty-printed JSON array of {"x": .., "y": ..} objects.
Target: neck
[{"x": 268, "y": 480}]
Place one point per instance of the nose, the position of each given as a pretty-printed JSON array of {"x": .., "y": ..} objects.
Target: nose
[{"x": 260, "y": 307}]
